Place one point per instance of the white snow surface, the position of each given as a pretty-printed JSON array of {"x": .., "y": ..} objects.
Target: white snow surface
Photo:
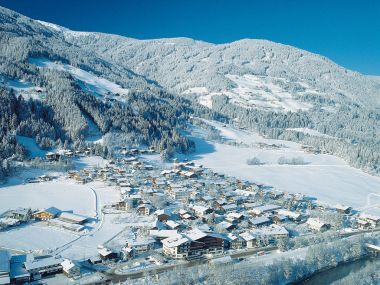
[
  {"x": 263, "y": 92},
  {"x": 326, "y": 177},
  {"x": 25, "y": 89},
  {"x": 90, "y": 82},
  {"x": 31, "y": 146}
]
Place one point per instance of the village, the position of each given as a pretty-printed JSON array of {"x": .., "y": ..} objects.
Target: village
[{"x": 193, "y": 214}]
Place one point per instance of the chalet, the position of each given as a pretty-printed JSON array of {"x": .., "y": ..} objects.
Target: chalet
[
  {"x": 176, "y": 247},
  {"x": 107, "y": 254},
  {"x": 40, "y": 266},
  {"x": 374, "y": 220},
  {"x": 249, "y": 240},
  {"x": 343, "y": 209},
  {"x": 51, "y": 156},
  {"x": 259, "y": 222},
  {"x": 172, "y": 225},
  {"x": 235, "y": 242},
  {"x": 45, "y": 178},
  {"x": 204, "y": 243},
  {"x": 275, "y": 194},
  {"x": 47, "y": 214},
  {"x": 124, "y": 205},
  {"x": 229, "y": 208},
  {"x": 317, "y": 225},
  {"x": 127, "y": 253},
  {"x": 72, "y": 218},
  {"x": 226, "y": 226},
  {"x": 218, "y": 204},
  {"x": 179, "y": 194},
  {"x": 188, "y": 174},
  {"x": 70, "y": 269},
  {"x": 362, "y": 224},
  {"x": 207, "y": 199},
  {"x": 279, "y": 219},
  {"x": 271, "y": 233},
  {"x": 145, "y": 209},
  {"x": 72, "y": 173},
  {"x": 162, "y": 234},
  {"x": 142, "y": 245},
  {"x": 201, "y": 211},
  {"x": 264, "y": 209},
  {"x": 193, "y": 244},
  {"x": 162, "y": 215},
  {"x": 20, "y": 214},
  {"x": 293, "y": 216}
]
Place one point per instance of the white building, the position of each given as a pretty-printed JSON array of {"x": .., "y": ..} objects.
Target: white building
[{"x": 70, "y": 269}]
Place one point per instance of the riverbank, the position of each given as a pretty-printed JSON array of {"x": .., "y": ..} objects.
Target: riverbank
[{"x": 334, "y": 273}]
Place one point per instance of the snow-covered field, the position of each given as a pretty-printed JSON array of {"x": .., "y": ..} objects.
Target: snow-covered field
[
  {"x": 89, "y": 82},
  {"x": 253, "y": 91},
  {"x": 25, "y": 89},
  {"x": 63, "y": 194},
  {"x": 325, "y": 177},
  {"x": 258, "y": 91},
  {"x": 66, "y": 195},
  {"x": 36, "y": 237}
]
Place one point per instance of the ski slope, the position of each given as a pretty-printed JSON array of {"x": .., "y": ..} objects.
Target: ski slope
[{"x": 96, "y": 85}]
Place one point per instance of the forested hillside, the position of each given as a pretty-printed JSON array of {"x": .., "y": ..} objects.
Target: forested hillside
[
  {"x": 55, "y": 108},
  {"x": 53, "y": 81}
]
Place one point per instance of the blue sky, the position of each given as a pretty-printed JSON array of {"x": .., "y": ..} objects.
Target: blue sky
[{"x": 347, "y": 32}]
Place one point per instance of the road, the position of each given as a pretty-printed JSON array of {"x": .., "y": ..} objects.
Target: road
[{"x": 114, "y": 277}]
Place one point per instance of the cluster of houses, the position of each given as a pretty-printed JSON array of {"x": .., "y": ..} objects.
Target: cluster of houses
[
  {"x": 199, "y": 212},
  {"x": 195, "y": 213},
  {"x": 24, "y": 268}
]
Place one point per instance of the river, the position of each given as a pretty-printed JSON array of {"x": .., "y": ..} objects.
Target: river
[{"x": 337, "y": 273}]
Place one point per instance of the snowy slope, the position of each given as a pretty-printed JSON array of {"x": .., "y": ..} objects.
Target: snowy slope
[
  {"x": 236, "y": 69},
  {"x": 22, "y": 88},
  {"x": 89, "y": 82}
]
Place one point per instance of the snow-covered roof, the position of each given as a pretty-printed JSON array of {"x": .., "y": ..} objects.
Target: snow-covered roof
[
  {"x": 104, "y": 251},
  {"x": 265, "y": 208},
  {"x": 199, "y": 208},
  {"x": 172, "y": 224},
  {"x": 235, "y": 215},
  {"x": 342, "y": 207},
  {"x": 369, "y": 217},
  {"x": 315, "y": 223},
  {"x": 42, "y": 262},
  {"x": 195, "y": 234},
  {"x": 259, "y": 220},
  {"x": 247, "y": 236},
  {"x": 52, "y": 210},
  {"x": 225, "y": 225},
  {"x": 72, "y": 217},
  {"x": 175, "y": 241},
  {"x": 229, "y": 207},
  {"x": 163, "y": 233},
  {"x": 67, "y": 265},
  {"x": 290, "y": 214},
  {"x": 270, "y": 230}
]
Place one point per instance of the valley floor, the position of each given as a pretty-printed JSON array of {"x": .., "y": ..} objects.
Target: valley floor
[{"x": 326, "y": 177}]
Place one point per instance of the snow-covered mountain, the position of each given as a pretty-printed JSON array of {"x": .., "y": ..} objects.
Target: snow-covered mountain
[
  {"x": 273, "y": 88},
  {"x": 253, "y": 73}
]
